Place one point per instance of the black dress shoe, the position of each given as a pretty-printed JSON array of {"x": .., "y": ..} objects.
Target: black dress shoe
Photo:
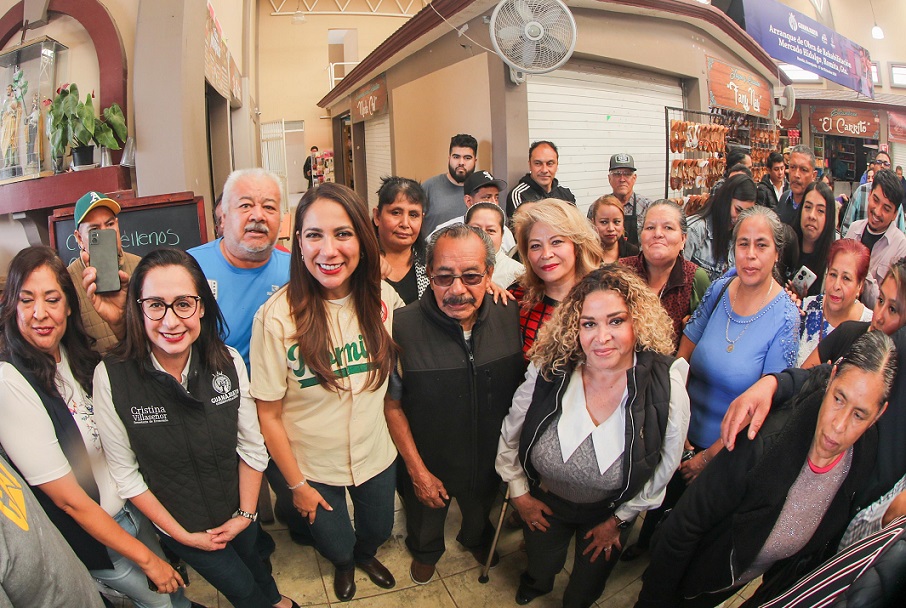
[
  {"x": 344, "y": 584},
  {"x": 524, "y": 595},
  {"x": 378, "y": 574},
  {"x": 632, "y": 552}
]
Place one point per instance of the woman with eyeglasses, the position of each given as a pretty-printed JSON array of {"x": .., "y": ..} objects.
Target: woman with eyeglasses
[
  {"x": 50, "y": 434},
  {"x": 180, "y": 430},
  {"x": 321, "y": 358}
]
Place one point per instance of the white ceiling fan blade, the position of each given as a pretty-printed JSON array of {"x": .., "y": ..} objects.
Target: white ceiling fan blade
[
  {"x": 529, "y": 52},
  {"x": 510, "y": 33},
  {"x": 524, "y": 10}
]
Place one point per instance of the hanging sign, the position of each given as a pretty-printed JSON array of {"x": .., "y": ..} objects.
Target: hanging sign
[
  {"x": 792, "y": 37},
  {"x": 739, "y": 90},
  {"x": 216, "y": 55},
  {"x": 896, "y": 127},
  {"x": 847, "y": 122},
  {"x": 370, "y": 100}
]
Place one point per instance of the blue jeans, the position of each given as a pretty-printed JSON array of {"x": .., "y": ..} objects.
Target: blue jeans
[
  {"x": 126, "y": 577},
  {"x": 334, "y": 535},
  {"x": 236, "y": 571}
]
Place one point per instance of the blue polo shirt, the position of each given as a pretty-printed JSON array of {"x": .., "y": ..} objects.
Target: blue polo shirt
[{"x": 240, "y": 292}]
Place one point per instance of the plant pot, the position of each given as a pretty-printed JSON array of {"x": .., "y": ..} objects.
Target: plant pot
[{"x": 82, "y": 155}]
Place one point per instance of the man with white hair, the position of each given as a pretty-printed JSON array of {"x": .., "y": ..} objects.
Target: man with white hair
[{"x": 244, "y": 269}]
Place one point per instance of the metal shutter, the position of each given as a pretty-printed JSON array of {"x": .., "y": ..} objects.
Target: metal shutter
[
  {"x": 591, "y": 116},
  {"x": 377, "y": 155}
]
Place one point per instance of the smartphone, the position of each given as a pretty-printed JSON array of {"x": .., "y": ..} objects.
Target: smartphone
[
  {"x": 803, "y": 279},
  {"x": 103, "y": 255}
]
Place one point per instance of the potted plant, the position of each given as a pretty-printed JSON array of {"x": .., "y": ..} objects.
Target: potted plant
[{"x": 73, "y": 123}]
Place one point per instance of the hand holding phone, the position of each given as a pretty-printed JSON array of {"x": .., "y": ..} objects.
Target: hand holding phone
[
  {"x": 803, "y": 280},
  {"x": 103, "y": 255}
]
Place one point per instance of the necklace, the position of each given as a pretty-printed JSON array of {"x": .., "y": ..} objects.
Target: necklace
[{"x": 732, "y": 343}]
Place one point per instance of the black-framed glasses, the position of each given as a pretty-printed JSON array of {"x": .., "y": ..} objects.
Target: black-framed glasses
[
  {"x": 883, "y": 163},
  {"x": 156, "y": 309},
  {"x": 468, "y": 278}
]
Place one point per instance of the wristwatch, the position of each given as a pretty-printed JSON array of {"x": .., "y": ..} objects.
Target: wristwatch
[
  {"x": 622, "y": 525},
  {"x": 246, "y": 514}
]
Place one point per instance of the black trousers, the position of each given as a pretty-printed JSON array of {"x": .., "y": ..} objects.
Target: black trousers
[
  {"x": 425, "y": 525},
  {"x": 547, "y": 551},
  {"x": 675, "y": 488}
]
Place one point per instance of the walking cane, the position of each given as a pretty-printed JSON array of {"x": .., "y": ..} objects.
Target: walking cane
[{"x": 483, "y": 577}]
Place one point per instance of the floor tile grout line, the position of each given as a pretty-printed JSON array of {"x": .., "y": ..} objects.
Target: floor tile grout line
[{"x": 447, "y": 589}]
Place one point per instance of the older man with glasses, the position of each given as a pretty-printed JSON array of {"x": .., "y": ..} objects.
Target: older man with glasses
[{"x": 460, "y": 365}]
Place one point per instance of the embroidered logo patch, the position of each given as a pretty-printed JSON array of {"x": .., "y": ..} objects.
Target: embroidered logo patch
[
  {"x": 151, "y": 414},
  {"x": 222, "y": 385}
]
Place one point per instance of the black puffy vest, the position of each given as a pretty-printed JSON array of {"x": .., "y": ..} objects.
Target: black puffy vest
[
  {"x": 648, "y": 384},
  {"x": 184, "y": 441},
  {"x": 455, "y": 398}
]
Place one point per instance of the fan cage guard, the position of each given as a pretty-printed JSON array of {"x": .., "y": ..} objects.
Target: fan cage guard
[{"x": 533, "y": 36}]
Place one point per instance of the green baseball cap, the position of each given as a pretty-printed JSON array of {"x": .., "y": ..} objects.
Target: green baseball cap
[{"x": 92, "y": 200}]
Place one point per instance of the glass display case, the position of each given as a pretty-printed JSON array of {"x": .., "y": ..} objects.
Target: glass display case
[{"x": 27, "y": 83}]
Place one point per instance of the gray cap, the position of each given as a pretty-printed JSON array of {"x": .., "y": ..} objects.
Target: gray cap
[{"x": 622, "y": 161}]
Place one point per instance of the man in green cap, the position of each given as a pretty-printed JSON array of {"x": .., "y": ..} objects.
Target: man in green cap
[{"x": 102, "y": 314}]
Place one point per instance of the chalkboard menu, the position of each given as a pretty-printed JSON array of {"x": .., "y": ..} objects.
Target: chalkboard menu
[{"x": 145, "y": 225}]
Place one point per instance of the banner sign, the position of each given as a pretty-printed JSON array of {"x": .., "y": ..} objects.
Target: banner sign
[
  {"x": 370, "y": 100},
  {"x": 738, "y": 90},
  {"x": 792, "y": 37},
  {"x": 896, "y": 127},
  {"x": 848, "y": 122}
]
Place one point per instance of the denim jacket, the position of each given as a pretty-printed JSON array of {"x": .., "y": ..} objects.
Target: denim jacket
[{"x": 700, "y": 247}]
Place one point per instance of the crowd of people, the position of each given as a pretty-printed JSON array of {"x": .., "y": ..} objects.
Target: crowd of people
[{"x": 730, "y": 378}]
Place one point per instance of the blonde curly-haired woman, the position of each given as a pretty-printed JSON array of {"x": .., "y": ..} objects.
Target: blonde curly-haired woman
[{"x": 595, "y": 432}]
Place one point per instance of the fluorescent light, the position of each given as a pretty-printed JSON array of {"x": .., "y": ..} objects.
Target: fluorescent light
[{"x": 798, "y": 74}]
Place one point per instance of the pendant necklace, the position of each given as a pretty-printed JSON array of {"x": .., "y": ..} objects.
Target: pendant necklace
[{"x": 732, "y": 343}]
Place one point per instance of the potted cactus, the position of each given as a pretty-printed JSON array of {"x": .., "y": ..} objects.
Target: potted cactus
[{"x": 73, "y": 123}]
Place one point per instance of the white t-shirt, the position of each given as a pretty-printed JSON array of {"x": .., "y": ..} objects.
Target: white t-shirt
[{"x": 27, "y": 434}]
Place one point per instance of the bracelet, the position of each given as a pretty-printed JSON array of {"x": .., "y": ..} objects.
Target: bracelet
[
  {"x": 705, "y": 458},
  {"x": 298, "y": 485},
  {"x": 246, "y": 514}
]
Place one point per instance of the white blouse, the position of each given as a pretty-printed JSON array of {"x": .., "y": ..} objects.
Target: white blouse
[{"x": 652, "y": 493}]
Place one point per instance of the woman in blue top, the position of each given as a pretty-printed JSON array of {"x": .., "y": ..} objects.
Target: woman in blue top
[{"x": 746, "y": 326}]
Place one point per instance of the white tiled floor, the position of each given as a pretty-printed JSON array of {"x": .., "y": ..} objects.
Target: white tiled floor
[{"x": 305, "y": 576}]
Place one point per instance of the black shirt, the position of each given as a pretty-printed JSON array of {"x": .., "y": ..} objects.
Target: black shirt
[
  {"x": 869, "y": 238},
  {"x": 838, "y": 342},
  {"x": 407, "y": 287}
]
